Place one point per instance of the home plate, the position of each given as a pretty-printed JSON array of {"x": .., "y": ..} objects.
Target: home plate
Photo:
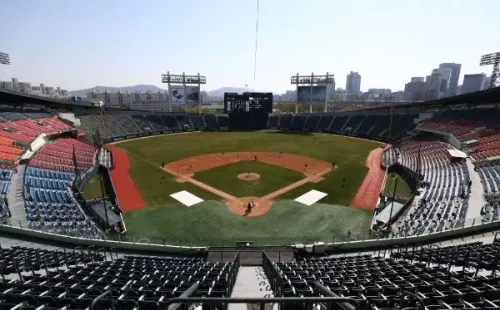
[
  {"x": 311, "y": 197},
  {"x": 186, "y": 198}
]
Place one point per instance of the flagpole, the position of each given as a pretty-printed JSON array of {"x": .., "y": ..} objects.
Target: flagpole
[
  {"x": 103, "y": 194},
  {"x": 102, "y": 118}
]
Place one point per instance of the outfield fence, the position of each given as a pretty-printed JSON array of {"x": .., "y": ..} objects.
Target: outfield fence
[{"x": 343, "y": 242}]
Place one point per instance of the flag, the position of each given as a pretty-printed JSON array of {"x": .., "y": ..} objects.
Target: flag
[{"x": 4, "y": 59}]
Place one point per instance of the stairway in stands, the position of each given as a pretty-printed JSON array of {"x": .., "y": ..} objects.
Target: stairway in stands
[
  {"x": 15, "y": 198},
  {"x": 250, "y": 282}
]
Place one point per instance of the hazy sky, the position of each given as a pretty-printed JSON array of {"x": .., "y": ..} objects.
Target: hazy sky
[{"x": 78, "y": 44}]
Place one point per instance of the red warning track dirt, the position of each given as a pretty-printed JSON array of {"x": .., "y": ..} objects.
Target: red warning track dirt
[
  {"x": 313, "y": 170},
  {"x": 127, "y": 193},
  {"x": 368, "y": 193}
]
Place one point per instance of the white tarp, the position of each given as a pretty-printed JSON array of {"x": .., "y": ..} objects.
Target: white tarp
[
  {"x": 186, "y": 198},
  {"x": 311, "y": 197}
]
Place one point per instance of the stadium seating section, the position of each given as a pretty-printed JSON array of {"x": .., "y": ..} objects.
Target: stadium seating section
[
  {"x": 27, "y": 126},
  {"x": 375, "y": 126},
  {"x": 377, "y": 282},
  {"x": 134, "y": 281},
  {"x": 58, "y": 155}
]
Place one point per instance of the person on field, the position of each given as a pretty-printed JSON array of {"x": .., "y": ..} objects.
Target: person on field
[
  {"x": 162, "y": 165},
  {"x": 249, "y": 209},
  {"x": 255, "y": 157}
]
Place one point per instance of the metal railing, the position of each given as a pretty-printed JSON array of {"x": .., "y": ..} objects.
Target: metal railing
[{"x": 307, "y": 302}]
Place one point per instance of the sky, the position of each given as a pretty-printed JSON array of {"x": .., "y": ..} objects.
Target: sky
[{"x": 79, "y": 44}]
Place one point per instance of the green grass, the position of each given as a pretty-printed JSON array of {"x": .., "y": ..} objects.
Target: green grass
[
  {"x": 210, "y": 223},
  {"x": 92, "y": 189},
  {"x": 271, "y": 178},
  {"x": 287, "y": 220},
  {"x": 403, "y": 190}
]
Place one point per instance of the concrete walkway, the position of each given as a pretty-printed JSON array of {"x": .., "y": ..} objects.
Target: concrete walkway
[
  {"x": 476, "y": 200},
  {"x": 15, "y": 198},
  {"x": 251, "y": 282}
]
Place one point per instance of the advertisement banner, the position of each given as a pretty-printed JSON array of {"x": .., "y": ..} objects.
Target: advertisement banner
[
  {"x": 318, "y": 93},
  {"x": 178, "y": 92},
  {"x": 192, "y": 94}
]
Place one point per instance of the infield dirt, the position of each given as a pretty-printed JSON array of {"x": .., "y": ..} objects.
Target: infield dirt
[{"x": 312, "y": 169}]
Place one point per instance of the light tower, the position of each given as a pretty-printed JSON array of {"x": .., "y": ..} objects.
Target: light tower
[
  {"x": 181, "y": 92},
  {"x": 4, "y": 59},
  {"x": 492, "y": 59}
]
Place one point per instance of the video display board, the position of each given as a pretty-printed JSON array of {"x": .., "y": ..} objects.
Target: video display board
[{"x": 248, "y": 102}]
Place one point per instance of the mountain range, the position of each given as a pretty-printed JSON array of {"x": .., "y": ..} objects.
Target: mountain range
[{"x": 142, "y": 88}]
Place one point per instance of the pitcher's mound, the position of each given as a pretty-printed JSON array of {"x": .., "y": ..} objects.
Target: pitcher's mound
[{"x": 250, "y": 176}]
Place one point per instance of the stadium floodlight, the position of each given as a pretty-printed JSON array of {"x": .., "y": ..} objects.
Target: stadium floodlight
[
  {"x": 307, "y": 85},
  {"x": 492, "y": 59},
  {"x": 4, "y": 59}
]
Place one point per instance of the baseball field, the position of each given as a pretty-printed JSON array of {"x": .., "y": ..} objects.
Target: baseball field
[{"x": 229, "y": 171}]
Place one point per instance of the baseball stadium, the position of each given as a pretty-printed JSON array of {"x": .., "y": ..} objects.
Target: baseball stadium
[{"x": 113, "y": 208}]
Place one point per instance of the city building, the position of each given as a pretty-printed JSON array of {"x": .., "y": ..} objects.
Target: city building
[
  {"x": 433, "y": 82},
  {"x": 454, "y": 77},
  {"x": 27, "y": 88},
  {"x": 377, "y": 94},
  {"x": 150, "y": 101},
  {"x": 445, "y": 81},
  {"x": 473, "y": 82},
  {"x": 353, "y": 84},
  {"x": 415, "y": 90}
]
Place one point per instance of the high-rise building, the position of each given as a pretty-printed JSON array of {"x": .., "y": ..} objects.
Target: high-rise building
[
  {"x": 445, "y": 81},
  {"x": 417, "y": 79},
  {"x": 353, "y": 84},
  {"x": 433, "y": 82},
  {"x": 416, "y": 90},
  {"x": 473, "y": 82},
  {"x": 455, "y": 75}
]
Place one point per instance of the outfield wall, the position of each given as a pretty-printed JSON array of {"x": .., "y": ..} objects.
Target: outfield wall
[{"x": 360, "y": 245}]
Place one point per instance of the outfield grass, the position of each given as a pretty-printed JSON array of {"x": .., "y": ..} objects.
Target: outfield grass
[
  {"x": 271, "y": 178},
  {"x": 403, "y": 190},
  {"x": 92, "y": 189},
  {"x": 167, "y": 218}
]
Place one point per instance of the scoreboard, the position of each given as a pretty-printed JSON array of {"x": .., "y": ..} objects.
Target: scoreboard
[{"x": 248, "y": 102}]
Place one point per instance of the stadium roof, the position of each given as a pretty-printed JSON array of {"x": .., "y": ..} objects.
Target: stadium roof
[{"x": 15, "y": 98}]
